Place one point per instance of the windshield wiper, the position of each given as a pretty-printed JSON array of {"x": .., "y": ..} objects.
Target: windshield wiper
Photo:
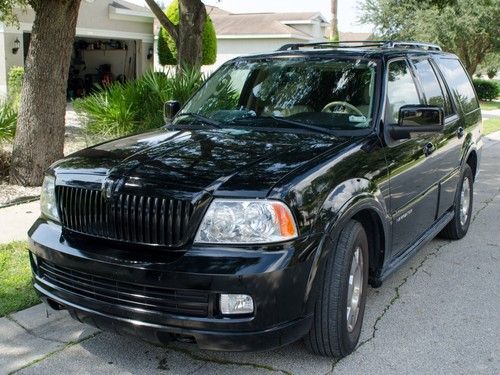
[
  {"x": 203, "y": 119},
  {"x": 317, "y": 129}
]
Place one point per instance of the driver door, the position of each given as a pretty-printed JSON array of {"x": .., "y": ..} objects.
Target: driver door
[{"x": 413, "y": 185}]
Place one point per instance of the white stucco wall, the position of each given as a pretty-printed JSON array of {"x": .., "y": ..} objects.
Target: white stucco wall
[
  {"x": 94, "y": 21},
  {"x": 230, "y": 48},
  {"x": 3, "y": 75},
  {"x": 7, "y": 58}
]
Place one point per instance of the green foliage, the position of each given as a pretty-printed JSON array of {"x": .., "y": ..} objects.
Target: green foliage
[
  {"x": 167, "y": 50},
  {"x": 8, "y": 10},
  {"x": 10, "y": 106},
  {"x": 489, "y": 106},
  {"x": 490, "y": 65},
  {"x": 16, "y": 291},
  {"x": 469, "y": 29},
  {"x": 8, "y": 120},
  {"x": 183, "y": 86},
  {"x": 491, "y": 125},
  {"x": 486, "y": 90},
  {"x": 136, "y": 105},
  {"x": 15, "y": 82}
]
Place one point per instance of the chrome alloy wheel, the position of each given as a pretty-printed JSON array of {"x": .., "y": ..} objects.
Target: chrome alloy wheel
[
  {"x": 355, "y": 289},
  {"x": 464, "y": 201}
]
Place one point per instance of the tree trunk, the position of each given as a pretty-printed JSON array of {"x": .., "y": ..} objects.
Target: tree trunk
[
  {"x": 39, "y": 137},
  {"x": 190, "y": 44},
  {"x": 334, "y": 32}
]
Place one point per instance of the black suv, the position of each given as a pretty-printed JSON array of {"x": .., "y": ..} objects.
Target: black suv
[{"x": 263, "y": 209}]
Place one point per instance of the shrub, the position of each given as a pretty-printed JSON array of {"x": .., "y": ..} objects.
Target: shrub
[
  {"x": 186, "y": 84},
  {"x": 486, "y": 90},
  {"x": 135, "y": 106},
  {"x": 15, "y": 82},
  {"x": 8, "y": 120},
  {"x": 167, "y": 51},
  {"x": 491, "y": 73}
]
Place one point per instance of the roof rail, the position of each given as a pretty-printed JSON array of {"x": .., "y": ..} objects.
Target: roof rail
[
  {"x": 426, "y": 46},
  {"x": 362, "y": 44},
  {"x": 326, "y": 44}
]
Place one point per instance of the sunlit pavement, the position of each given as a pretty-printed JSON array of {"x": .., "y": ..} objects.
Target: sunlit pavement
[{"x": 440, "y": 313}]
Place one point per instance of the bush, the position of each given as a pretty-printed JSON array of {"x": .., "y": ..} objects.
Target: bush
[
  {"x": 15, "y": 83},
  {"x": 167, "y": 51},
  {"x": 491, "y": 73},
  {"x": 136, "y": 105},
  {"x": 8, "y": 120},
  {"x": 486, "y": 90}
]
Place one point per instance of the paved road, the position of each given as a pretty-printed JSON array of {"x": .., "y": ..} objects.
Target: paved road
[
  {"x": 439, "y": 314},
  {"x": 16, "y": 220}
]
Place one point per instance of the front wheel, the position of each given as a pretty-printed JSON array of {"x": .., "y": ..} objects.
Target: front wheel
[
  {"x": 340, "y": 307},
  {"x": 459, "y": 225}
]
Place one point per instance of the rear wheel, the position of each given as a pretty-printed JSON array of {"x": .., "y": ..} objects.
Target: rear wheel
[
  {"x": 459, "y": 225},
  {"x": 340, "y": 307}
]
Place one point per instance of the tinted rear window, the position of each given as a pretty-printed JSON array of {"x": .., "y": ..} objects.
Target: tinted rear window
[{"x": 459, "y": 83}]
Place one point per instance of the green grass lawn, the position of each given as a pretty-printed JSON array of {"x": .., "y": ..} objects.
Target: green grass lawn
[
  {"x": 491, "y": 125},
  {"x": 489, "y": 106},
  {"x": 16, "y": 291}
]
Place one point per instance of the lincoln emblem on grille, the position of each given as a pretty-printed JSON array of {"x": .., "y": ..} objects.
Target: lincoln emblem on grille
[{"x": 107, "y": 188}]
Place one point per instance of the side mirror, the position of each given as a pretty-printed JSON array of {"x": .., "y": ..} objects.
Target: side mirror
[
  {"x": 417, "y": 119},
  {"x": 170, "y": 109}
]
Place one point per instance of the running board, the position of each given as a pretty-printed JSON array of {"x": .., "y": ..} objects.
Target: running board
[{"x": 417, "y": 245}]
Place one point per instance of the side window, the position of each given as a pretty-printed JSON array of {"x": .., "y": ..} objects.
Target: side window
[
  {"x": 401, "y": 90},
  {"x": 430, "y": 85},
  {"x": 459, "y": 82}
]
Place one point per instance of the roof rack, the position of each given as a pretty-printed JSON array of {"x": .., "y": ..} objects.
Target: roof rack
[{"x": 362, "y": 44}]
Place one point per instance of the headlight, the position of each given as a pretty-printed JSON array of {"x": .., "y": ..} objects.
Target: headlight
[
  {"x": 246, "y": 221},
  {"x": 48, "y": 204}
]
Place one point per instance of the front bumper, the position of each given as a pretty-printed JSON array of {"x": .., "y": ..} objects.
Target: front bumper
[{"x": 93, "y": 280}]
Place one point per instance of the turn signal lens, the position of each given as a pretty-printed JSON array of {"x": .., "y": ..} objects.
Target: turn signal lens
[{"x": 285, "y": 219}]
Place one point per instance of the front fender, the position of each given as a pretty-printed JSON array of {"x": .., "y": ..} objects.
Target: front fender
[
  {"x": 345, "y": 201},
  {"x": 348, "y": 198}
]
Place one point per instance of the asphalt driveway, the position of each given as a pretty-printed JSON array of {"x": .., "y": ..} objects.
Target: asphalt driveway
[{"x": 440, "y": 313}]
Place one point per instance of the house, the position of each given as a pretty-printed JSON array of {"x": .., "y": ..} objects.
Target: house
[
  {"x": 247, "y": 33},
  {"x": 115, "y": 39},
  {"x": 112, "y": 34},
  {"x": 354, "y": 37}
]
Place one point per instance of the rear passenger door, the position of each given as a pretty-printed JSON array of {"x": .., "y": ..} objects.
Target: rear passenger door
[
  {"x": 459, "y": 134},
  {"x": 445, "y": 160}
]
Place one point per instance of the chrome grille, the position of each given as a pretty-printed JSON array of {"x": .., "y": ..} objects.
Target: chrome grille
[{"x": 126, "y": 217}]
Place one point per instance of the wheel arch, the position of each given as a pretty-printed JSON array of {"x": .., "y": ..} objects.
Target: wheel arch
[
  {"x": 472, "y": 161},
  {"x": 369, "y": 209}
]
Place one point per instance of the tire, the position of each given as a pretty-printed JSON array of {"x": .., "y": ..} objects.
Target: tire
[
  {"x": 457, "y": 228},
  {"x": 330, "y": 334}
]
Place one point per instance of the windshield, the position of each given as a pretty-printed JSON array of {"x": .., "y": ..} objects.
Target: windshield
[{"x": 321, "y": 94}]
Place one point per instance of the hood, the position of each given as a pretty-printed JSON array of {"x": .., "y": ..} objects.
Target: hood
[{"x": 229, "y": 160}]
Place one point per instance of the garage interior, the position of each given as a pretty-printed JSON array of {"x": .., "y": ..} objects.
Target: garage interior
[{"x": 97, "y": 63}]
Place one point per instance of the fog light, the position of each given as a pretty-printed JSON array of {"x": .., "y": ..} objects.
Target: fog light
[{"x": 231, "y": 304}]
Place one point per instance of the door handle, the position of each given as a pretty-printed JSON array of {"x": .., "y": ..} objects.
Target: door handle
[
  {"x": 429, "y": 148},
  {"x": 460, "y": 132}
]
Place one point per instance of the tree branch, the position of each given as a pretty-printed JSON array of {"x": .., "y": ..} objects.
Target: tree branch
[{"x": 172, "y": 29}]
